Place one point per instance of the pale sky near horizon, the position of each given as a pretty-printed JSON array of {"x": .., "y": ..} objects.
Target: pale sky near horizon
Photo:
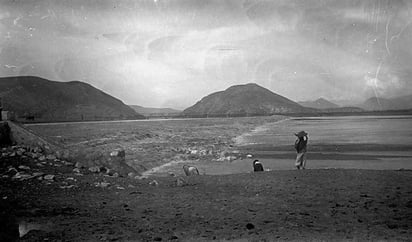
[{"x": 171, "y": 53}]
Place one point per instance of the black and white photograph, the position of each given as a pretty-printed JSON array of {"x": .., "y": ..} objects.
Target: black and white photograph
[{"x": 205, "y": 120}]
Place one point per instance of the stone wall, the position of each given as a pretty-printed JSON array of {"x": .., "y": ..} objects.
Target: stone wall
[{"x": 23, "y": 136}]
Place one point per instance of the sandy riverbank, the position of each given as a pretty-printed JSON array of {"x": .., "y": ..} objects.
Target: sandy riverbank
[{"x": 328, "y": 205}]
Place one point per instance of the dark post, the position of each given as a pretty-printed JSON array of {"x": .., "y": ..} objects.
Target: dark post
[{"x": 1, "y": 109}]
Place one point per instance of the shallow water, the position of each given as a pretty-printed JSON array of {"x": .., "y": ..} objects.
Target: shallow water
[
  {"x": 395, "y": 130},
  {"x": 355, "y": 142}
]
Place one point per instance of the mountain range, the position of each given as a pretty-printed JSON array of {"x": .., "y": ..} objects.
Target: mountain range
[
  {"x": 35, "y": 98},
  {"x": 244, "y": 100},
  {"x": 380, "y": 104},
  {"x": 153, "y": 112},
  {"x": 38, "y": 99},
  {"x": 320, "y": 103}
]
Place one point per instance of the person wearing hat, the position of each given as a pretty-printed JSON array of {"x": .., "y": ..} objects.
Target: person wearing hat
[
  {"x": 300, "y": 146},
  {"x": 257, "y": 166}
]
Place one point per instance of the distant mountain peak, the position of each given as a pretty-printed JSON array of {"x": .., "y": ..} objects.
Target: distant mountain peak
[
  {"x": 379, "y": 103},
  {"x": 243, "y": 100},
  {"x": 320, "y": 103},
  {"x": 150, "y": 111}
]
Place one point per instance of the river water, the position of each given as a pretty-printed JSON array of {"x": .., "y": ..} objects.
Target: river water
[{"x": 351, "y": 142}]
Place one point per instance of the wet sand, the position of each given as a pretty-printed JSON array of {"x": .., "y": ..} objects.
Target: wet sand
[{"x": 337, "y": 156}]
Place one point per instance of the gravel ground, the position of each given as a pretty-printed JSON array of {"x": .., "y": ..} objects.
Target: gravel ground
[{"x": 332, "y": 204}]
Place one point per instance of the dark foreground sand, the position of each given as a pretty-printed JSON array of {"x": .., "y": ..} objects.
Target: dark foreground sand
[{"x": 278, "y": 205}]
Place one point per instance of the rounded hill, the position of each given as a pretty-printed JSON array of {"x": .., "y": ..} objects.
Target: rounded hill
[
  {"x": 38, "y": 99},
  {"x": 244, "y": 100}
]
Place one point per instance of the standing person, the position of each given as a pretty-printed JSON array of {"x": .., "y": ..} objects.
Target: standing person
[
  {"x": 300, "y": 146},
  {"x": 1, "y": 109}
]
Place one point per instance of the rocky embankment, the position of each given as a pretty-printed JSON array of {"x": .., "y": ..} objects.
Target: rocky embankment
[
  {"x": 24, "y": 163},
  {"x": 151, "y": 144}
]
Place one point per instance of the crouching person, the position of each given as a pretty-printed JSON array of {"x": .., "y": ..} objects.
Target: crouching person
[
  {"x": 190, "y": 170},
  {"x": 257, "y": 166}
]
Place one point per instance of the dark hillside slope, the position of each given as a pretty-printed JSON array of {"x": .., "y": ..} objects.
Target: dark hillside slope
[{"x": 38, "y": 99}]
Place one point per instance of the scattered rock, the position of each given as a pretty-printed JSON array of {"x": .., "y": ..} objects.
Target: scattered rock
[
  {"x": 94, "y": 169},
  {"x": 231, "y": 158},
  {"x": 104, "y": 169},
  {"x": 37, "y": 174},
  {"x": 118, "y": 153},
  {"x": 21, "y": 176},
  {"x": 49, "y": 177},
  {"x": 37, "y": 150},
  {"x": 250, "y": 226},
  {"x": 203, "y": 152},
  {"x": 66, "y": 187},
  {"x": 102, "y": 184},
  {"x": 11, "y": 171},
  {"x": 173, "y": 237},
  {"x": 51, "y": 157},
  {"x": 33, "y": 155},
  {"x": 66, "y": 154},
  {"x": 67, "y": 163},
  {"x": 111, "y": 172}
]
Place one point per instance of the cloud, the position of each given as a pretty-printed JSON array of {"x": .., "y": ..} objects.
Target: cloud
[{"x": 156, "y": 53}]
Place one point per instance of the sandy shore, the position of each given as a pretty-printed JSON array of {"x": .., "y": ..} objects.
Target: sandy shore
[
  {"x": 326, "y": 205},
  {"x": 324, "y": 156}
]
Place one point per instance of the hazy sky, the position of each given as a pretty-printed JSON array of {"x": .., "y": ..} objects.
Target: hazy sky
[{"x": 170, "y": 53}]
